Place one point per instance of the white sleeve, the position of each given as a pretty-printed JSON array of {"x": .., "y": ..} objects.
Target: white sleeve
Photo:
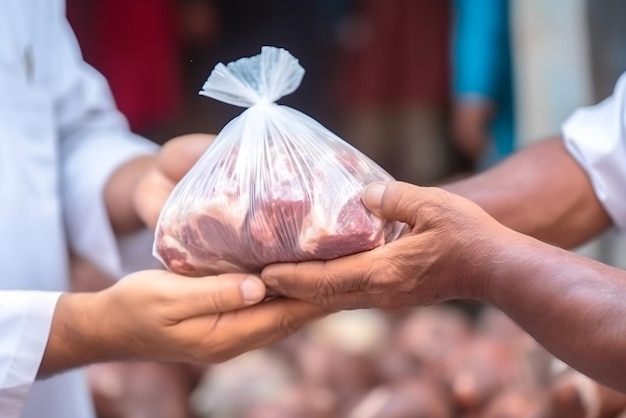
[
  {"x": 25, "y": 320},
  {"x": 95, "y": 140},
  {"x": 596, "y": 137}
]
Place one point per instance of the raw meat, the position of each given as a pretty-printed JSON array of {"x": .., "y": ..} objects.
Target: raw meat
[
  {"x": 275, "y": 186},
  {"x": 298, "y": 215}
]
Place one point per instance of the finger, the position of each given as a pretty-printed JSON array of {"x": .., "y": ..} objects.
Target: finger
[
  {"x": 263, "y": 325},
  {"x": 150, "y": 197},
  {"x": 315, "y": 281},
  {"x": 395, "y": 201},
  {"x": 214, "y": 294},
  {"x": 181, "y": 153}
]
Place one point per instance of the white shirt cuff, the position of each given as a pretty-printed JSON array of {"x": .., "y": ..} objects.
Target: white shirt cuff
[{"x": 25, "y": 321}]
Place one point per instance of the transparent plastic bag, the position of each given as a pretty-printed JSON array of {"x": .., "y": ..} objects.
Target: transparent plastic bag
[{"x": 275, "y": 185}]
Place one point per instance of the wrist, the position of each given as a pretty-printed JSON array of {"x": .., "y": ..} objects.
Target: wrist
[
  {"x": 73, "y": 340},
  {"x": 511, "y": 268},
  {"x": 487, "y": 271}
]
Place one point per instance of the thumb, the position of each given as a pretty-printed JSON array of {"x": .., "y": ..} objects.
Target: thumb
[
  {"x": 393, "y": 201},
  {"x": 216, "y": 294}
]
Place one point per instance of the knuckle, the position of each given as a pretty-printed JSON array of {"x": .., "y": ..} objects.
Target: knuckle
[
  {"x": 364, "y": 280},
  {"x": 385, "y": 278},
  {"x": 319, "y": 299},
  {"x": 375, "y": 277},
  {"x": 325, "y": 285}
]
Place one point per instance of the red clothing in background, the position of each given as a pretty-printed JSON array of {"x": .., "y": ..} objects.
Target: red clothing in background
[
  {"x": 134, "y": 44},
  {"x": 403, "y": 57}
]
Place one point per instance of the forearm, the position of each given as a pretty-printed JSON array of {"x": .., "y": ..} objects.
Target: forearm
[
  {"x": 119, "y": 194},
  {"x": 77, "y": 335},
  {"x": 571, "y": 305},
  {"x": 541, "y": 191}
]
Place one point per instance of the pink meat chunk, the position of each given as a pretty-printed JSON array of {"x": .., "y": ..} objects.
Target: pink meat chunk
[{"x": 292, "y": 214}]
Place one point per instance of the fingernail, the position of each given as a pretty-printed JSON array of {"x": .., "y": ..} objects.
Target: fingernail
[
  {"x": 373, "y": 196},
  {"x": 252, "y": 289}
]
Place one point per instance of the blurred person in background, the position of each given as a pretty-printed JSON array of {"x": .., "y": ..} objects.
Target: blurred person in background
[
  {"x": 71, "y": 171},
  {"x": 483, "y": 126}
]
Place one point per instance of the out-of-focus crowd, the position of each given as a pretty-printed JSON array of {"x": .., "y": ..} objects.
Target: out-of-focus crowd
[{"x": 425, "y": 88}]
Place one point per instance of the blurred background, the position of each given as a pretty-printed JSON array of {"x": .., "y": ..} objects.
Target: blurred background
[{"x": 432, "y": 90}]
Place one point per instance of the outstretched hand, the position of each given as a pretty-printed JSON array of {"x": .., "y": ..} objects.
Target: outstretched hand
[
  {"x": 158, "y": 315},
  {"x": 440, "y": 258}
]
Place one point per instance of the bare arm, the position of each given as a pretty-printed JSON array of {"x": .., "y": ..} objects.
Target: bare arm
[
  {"x": 541, "y": 191},
  {"x": 572, "y": 305}
]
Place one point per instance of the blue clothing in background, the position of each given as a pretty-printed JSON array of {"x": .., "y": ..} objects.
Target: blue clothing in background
[{"x": 482, "y": 68}]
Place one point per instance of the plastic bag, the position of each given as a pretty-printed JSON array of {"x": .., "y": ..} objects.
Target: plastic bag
[{"x": 275, "y": 185}]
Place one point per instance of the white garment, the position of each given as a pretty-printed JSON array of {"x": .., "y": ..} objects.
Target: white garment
[
  {"x": 60, "y": 139},
  {"x": 596, "y": 137}
]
